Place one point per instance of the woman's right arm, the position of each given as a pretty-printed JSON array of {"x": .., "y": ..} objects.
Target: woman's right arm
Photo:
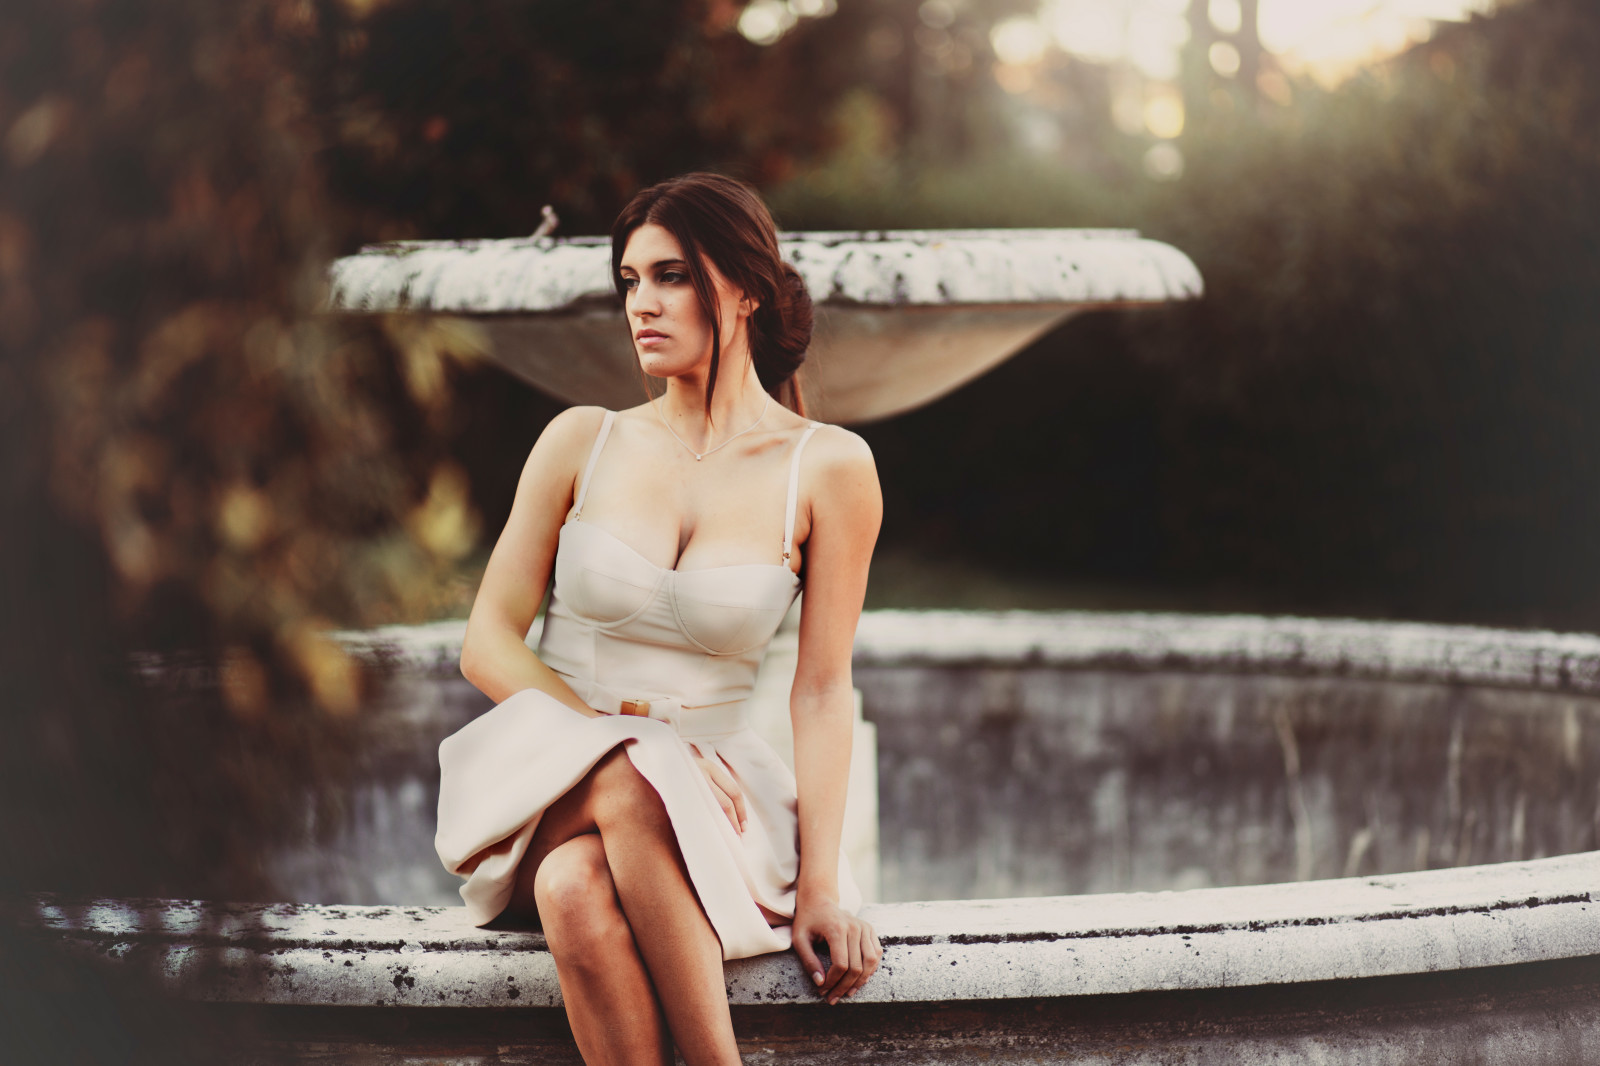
[{"x": 494, "y": 655}]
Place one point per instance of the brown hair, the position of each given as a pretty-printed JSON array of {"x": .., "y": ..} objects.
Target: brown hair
[{"x": 723, "y": 220}]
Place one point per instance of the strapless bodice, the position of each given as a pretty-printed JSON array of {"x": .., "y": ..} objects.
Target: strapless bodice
[{"x": 619, "y": 621}]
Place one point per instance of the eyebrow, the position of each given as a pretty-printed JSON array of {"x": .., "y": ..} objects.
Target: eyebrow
[{"x": 659, "y": 263}]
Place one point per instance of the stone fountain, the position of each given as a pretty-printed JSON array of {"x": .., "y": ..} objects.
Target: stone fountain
[
  {"x": 997, "y": 727},
  {"x": 1225, "y": 839},
  {"x": 904, "y": 316}
]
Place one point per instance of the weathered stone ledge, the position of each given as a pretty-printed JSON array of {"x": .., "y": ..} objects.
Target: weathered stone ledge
[
  {"x": 897, "y": 268},
  {"x": 1247, "y": 644},
  {"x": 1507, "y": 914}
]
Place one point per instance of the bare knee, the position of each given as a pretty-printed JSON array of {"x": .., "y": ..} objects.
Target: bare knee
[
  {"x": 573, "y": 879},
  {"x": 577, "y": 901},
  {"x": 622, "y": 795}
]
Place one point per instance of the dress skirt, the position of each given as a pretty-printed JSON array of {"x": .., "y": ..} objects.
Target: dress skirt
[{"x": 501, "y": 771}]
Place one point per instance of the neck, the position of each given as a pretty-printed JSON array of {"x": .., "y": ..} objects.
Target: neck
[{"x": 737, "y": 401}]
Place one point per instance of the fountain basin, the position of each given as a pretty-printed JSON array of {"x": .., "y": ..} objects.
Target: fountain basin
[
  {"x": 1018, "y": 752},
  {"x": 903, "y": 316},
  {"x": 1495, "y": 963},
  {"x": 1049, "y": 754},
  {"x": 1039, "y": 754}
]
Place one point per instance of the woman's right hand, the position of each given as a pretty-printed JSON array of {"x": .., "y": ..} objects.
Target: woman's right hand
[{"x": 730, "y": 797}]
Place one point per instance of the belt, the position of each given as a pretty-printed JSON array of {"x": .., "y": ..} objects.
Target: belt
[{"x": 707, "y": 720}]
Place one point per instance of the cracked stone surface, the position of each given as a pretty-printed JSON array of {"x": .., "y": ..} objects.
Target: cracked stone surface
[
  {"x": 883, "y": 268},
  {"x": 1247, "y": 644},
  {"x": 1442, "y": 920},
  {"x": 903, "y": 317}
]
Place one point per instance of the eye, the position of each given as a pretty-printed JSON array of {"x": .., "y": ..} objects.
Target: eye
[
  {"x": 629, "y": 282},
  {"x": 673, "y": 277}
]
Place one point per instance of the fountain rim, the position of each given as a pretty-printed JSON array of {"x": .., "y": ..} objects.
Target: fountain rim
[
  {"x": 1466, "y": 918},
  {"x": 1144, "y": 642},
  {"x": 823, "y": 237},
  {"x": 1054, "y": 271}
]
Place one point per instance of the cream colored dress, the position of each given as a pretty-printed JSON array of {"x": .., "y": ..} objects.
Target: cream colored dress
[{"x": 690, "y": 642}]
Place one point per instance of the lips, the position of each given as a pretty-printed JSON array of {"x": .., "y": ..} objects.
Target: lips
[{"x": 648, "y": 336}]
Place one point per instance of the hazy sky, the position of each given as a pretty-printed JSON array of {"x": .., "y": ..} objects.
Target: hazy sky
[{"x": 1326, "y": 36}]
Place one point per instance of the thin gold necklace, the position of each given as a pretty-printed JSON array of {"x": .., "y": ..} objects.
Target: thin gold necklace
[{"x": 701, "y": 455}]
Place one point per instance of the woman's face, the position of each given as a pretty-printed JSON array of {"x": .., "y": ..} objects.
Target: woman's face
[{"x": 671, "y": 334}]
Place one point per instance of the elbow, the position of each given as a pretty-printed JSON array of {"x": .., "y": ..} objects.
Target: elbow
[
  {"x": 831, "y": 702},
  {"x": 824, "y": 691},
  {"x": 469, "y": 663}
]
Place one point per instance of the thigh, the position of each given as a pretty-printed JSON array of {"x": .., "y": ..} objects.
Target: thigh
[{"x": 570, "y": 816}]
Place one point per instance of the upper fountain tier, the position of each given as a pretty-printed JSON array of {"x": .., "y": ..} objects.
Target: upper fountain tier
[{"x": 904, "y": 316}]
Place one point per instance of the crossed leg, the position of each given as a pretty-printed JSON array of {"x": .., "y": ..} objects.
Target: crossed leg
[{"x": 632, "y": 945}]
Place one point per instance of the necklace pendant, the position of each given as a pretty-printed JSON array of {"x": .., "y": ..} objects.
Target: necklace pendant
[{"x": 701, "y": 455}]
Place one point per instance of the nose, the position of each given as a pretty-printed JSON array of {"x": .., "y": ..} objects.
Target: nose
[{"x": 644, "y": 299}]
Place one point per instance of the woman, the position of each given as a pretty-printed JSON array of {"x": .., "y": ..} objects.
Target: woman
[{"x": 616, "y": 792}]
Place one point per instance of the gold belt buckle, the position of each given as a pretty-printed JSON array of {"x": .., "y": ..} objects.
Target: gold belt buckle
[{"x": 641, "y": 708}]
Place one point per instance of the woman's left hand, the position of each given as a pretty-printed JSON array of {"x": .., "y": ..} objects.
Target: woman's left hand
[{"x": 853, "y": 947}]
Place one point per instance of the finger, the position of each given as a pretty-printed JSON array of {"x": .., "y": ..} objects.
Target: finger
[
  {"x": 729, "y": 796},
  {"x": 719, "y": 773},
  {"x": 839, "y": 952},
  {"x": 874, "y": 952},
  {"x": 849, "y": 956},
  {"x": 808, "y": 956},
  {"x": 734, "y": 790},
  {"x": 726, "y": 804},
  {"x": 871, "y": 953},
  {"x": 738, "y": 805},
  {"x": 857, "y": 965},
  {"x": 719, "y": 793}
]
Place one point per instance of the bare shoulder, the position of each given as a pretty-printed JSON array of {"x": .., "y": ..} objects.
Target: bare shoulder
[
  {"x": 574, "y": 425},
  {"x": 570, "y": 433},
  {"x": 838, "y": 452},
  {"x": 843, "y": 479}
]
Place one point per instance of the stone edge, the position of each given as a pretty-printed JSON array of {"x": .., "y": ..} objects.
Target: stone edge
[
  {"x": 1434, "y": 921},
  {"x": 1241, "y": 644},
  {"x": 885, "y": 269}
]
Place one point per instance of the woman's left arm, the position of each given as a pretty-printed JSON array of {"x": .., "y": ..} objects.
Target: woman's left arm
[{"x": 843, "y": 517}]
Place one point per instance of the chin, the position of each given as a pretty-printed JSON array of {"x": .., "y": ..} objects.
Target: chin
[
  {"x": 660, "y": 365},
  {"x": 656, "y": 367}
]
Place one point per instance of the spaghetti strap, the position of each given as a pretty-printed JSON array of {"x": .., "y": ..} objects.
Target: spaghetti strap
[
  {"x": 599, "y": 442},
  {"x": 794, "y": 491}
]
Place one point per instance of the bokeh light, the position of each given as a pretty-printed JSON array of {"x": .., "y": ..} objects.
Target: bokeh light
[{"x": 1019, "y": 41}]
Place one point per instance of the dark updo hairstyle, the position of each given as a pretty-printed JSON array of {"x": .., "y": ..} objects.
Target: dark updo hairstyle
[{"x": 722, "y": 220}]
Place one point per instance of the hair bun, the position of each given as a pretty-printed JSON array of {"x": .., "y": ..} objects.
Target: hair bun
[
  {"x": 788, "y": 331},
  {"x": 782, "y": 334}
]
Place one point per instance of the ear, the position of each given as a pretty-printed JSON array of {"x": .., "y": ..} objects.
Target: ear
[{"x": 748, "y": 305}]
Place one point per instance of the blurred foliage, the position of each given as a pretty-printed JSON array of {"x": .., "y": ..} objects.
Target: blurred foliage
[
  {"x": 197, "y": 466},
  {"x": 1401, "y": 351},
  {"x": 1384, "y": 404},
  {"x": 461, "y": 120},
  {"x": 444, "y": 120}
]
